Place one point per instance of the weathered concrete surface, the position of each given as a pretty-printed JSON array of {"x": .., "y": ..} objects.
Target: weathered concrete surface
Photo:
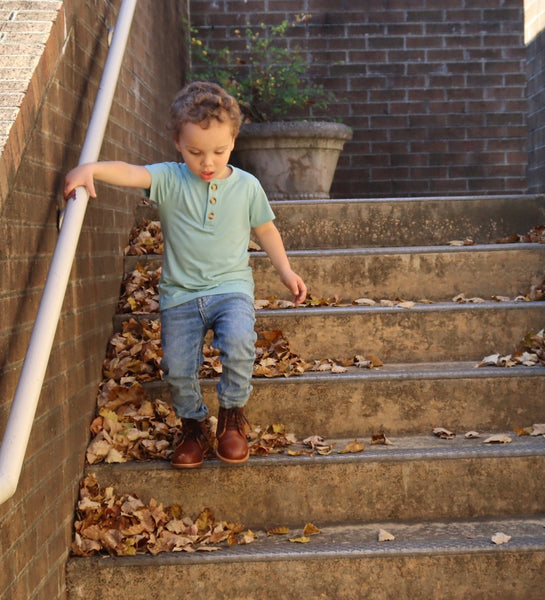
[
  {"x": 429, "y": 560},
  {"x": 395, "y": 399},
  {"x": 436, "y": 332},
  {"x": 422, "y": 333},
  {"x": 412, "y": 274},
  {"x": 384, "y": 222},
  {"x": 436, "y": 274},
  {"x": 418, "y": 477},
  {"x": 405, "y": 222}
]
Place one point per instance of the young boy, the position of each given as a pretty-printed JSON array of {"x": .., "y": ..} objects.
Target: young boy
[{"x": 207, "y": 210}]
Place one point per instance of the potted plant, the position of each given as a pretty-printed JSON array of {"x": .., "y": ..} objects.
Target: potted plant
[{"x": 293, "y": 158}]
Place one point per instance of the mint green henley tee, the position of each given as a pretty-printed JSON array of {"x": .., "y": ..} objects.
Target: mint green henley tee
[{"x": 206, "y": 229}]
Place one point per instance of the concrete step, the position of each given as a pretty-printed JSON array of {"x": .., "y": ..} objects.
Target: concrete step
[
  {"x": 415, "y": 478},
  {"x": 395, "y": 399},
  {"x": 432, "y": 559},
  {"x": 410, "y": 273},
  {"x": 425, "y": 333},
  {"x": 356, "y": 223}
]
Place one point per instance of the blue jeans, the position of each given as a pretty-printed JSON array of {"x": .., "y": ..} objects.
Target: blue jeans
[{"x": 183, "y": 328}]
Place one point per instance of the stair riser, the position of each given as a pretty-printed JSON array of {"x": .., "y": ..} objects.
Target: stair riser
[
  {"x": 400, "y": 222},
  {"x": 510, "y": 271},
  {"x": 398, "y": 335},
  {"x": 493, "y": 574},
  {"x": 411, "y": 276},
  {"x": 424, "y": 333},
  {"x": 293, "y": 492},
  {"x": 345, "y": 224},
  {"x": 342, "y": 406}
]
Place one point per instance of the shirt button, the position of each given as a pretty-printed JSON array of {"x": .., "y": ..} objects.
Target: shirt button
[
  {"x": 211, "y": 215},
  {"x": 212, "y": 201},
  {"x": 213, "y": 187}
]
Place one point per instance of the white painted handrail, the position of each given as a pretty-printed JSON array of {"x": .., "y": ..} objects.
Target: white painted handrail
[{"x": 27, "y": 394}]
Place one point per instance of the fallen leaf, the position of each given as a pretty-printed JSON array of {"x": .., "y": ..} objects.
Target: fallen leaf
[
  {"x": 364, "y": 302},
  {"x": 464, "y": 242},
  {"x": 247, "y": 538},
  {"x": 387, "y": 303},
  {"x": 501, "y": 298},
  {"x": 259, "y": 304},
  {"x": 538, "y": 429},
  {"x": 353, "y": 448},
  {"x": 500, "y": 538},
  {"x": 443, "y": 433},
  {"x": 385, "y": 536},
  {"x": 300, "y": 540},
  {"x": 380, "y": 439},
  {"x": 498, "y": 438},
  {"x": 315, "y": 441},
  {"x": 278, "y": 531},
  {"x": 311, "y": 529}
]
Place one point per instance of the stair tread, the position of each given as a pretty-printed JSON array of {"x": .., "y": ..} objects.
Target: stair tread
[
  {"x": 393, "y": 371},
  {"x": 443, "y": 306},
  {"x": 403, "y": 448},
  {"x": 374, "y": 250},
  {"x": 360, "y": 540}
]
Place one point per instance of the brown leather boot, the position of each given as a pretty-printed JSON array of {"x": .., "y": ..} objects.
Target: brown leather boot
[
  {"x": 191, "y": 450},
  {"x": 231, "y": 433}
]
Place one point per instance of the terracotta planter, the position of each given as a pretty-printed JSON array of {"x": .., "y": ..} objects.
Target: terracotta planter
[{"x": 292, "y": 159}]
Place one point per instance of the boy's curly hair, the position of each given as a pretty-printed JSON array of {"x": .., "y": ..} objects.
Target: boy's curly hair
[{"x": 201, "y": 101}]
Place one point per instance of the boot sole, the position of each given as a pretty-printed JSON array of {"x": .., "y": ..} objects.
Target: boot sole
[
  {"x": 233, "y": 461},
  {"x": 187, "y": 466}
]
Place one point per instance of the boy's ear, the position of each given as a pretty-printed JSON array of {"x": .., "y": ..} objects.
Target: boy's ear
[{"x": 176, "y": 138}]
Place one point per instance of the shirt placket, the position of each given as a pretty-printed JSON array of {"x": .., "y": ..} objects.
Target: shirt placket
[{"x": 211, "y": 207}]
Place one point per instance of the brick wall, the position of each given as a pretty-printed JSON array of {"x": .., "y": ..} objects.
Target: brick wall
[
  {"x": 535, "y": 47},
  {"x": 434, "y": 90},
  {"x": 51, "y": 58}
]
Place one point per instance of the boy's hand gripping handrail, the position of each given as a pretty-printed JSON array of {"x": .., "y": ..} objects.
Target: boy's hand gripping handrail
[{"x": 25, "y": 401}]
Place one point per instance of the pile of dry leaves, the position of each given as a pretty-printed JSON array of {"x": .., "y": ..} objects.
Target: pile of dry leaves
[
  {"x": 125, "y": 526},
  {"x": 130, "y": 425},
  {"x": 136, "y": 352},
  {"x": 145, "y": 238},
  {"x": 140, "y": 291},
  {"x": 530, "y": 352},
  {"x": 536, "y": 235}
]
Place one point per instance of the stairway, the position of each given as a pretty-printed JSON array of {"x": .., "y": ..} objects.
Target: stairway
[{"x": 442, "y": 499}]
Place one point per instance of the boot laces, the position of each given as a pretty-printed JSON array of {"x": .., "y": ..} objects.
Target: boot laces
[
  {"x": 192, "y": 430},
  {"x": 235, "y": 419}
]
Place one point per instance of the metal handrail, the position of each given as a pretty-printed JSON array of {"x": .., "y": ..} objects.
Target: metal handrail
[{"x": 25, "y": 401}]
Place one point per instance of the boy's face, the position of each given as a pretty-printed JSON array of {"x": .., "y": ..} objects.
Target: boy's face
[{"x": 206, "y": 152}]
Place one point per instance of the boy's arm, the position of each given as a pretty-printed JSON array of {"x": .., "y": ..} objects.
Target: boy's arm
[
  {"x": 270, "y": 240},
  {"x": 114, "y": 173}
]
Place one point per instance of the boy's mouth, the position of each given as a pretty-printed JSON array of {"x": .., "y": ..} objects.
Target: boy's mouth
[{"x": 207, "y": 176}]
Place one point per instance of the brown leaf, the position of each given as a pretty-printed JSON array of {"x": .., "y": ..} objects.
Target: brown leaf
[
  {"x": 353, "y": 447},
  {"x": 278, "y": 531},
  {"x": 385, "y": 536},
  {"x": 499, "y": 438},
  {"x": 443, "y": 433},
  {"x": 311, "y": 529},
  {"x": 380, "y": 439},
  {"x": 300, "y": 540}
]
